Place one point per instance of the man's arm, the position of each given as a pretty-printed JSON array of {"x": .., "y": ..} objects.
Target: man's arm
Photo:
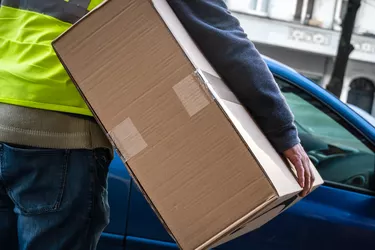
[{"x": 224, "y": 43}]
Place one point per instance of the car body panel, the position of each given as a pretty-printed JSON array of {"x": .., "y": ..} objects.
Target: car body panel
[
  {"x": 136, "y": 243},
  {"x": 110, "y": 241},
  {"x": 329, "y": 218},
  {"x": 142, "y": 221}
]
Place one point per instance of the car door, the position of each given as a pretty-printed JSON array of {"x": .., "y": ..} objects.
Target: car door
[{"x": 340, "y": 214}]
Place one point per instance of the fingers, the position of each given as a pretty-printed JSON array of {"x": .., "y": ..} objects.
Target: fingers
[
  {"x": 309, "y": 176},
  {"x": 301, "y": 162},
  {"x": 312, "y": 177},
  {"x": 298, "y": 164},
  {"x": 307, "y": 187}
]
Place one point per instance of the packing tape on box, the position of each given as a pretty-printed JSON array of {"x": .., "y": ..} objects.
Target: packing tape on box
[
  {"x": 127, "y": 139},
  {"x": 193, "y": 93}
]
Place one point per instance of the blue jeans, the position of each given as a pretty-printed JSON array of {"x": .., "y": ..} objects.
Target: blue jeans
[{"x": 52, "y": 198}]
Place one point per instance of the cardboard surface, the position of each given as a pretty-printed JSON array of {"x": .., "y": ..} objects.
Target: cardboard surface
[{"x": 198, "y": 157}]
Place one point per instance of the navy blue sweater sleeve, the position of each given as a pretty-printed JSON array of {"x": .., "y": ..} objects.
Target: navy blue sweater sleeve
[{"x": 221, "y": 39}]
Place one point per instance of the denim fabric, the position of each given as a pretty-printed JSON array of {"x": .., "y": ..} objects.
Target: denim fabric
[{"x": 51, "y": 198}]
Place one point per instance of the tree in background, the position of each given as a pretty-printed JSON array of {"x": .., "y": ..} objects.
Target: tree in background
[{"x": 344, "y": 49}]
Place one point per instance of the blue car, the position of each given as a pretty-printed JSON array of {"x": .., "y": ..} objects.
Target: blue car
[{"x": 338, "y": 215}]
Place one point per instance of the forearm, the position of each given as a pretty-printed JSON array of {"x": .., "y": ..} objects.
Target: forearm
[{"x": 224, "y": 43}]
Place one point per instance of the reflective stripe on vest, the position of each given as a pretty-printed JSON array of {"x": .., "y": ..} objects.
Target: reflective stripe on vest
[{"x": 30, "y": 73}]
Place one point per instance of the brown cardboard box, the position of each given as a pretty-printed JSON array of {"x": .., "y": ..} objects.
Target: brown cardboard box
[{"x": 201, "y": 161}]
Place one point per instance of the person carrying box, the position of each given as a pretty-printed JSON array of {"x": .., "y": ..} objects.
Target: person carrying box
[{"x": 54, "y": 157}]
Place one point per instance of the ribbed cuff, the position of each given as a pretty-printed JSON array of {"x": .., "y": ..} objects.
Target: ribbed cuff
[{"x": 284, "y": 139}]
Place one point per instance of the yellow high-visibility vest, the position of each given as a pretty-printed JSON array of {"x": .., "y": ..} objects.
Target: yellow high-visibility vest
[{"x": 31, "y": 75}]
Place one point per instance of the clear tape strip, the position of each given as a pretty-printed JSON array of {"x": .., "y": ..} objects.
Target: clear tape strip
[
  {"x": 127, "y": 139},
  {"x": 193, "y": 96}
]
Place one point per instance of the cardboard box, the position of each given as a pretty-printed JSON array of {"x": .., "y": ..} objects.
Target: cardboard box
[{"x": 201, "y": 161}]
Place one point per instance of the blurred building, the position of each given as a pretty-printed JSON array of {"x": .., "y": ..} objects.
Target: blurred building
[{"x": 304, "y": 34}]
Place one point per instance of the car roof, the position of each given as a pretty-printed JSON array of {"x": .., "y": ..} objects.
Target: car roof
[
  {"x": 274, "y": 62},
  {"x": 363, "y": 113},
  {"x": 283, "y": 71}
]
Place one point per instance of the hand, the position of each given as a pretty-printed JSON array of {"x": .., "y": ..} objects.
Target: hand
[{"x": 298, "y": 157}]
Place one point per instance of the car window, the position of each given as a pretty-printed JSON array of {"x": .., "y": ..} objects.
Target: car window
[{"x": 339, "y": 152}]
